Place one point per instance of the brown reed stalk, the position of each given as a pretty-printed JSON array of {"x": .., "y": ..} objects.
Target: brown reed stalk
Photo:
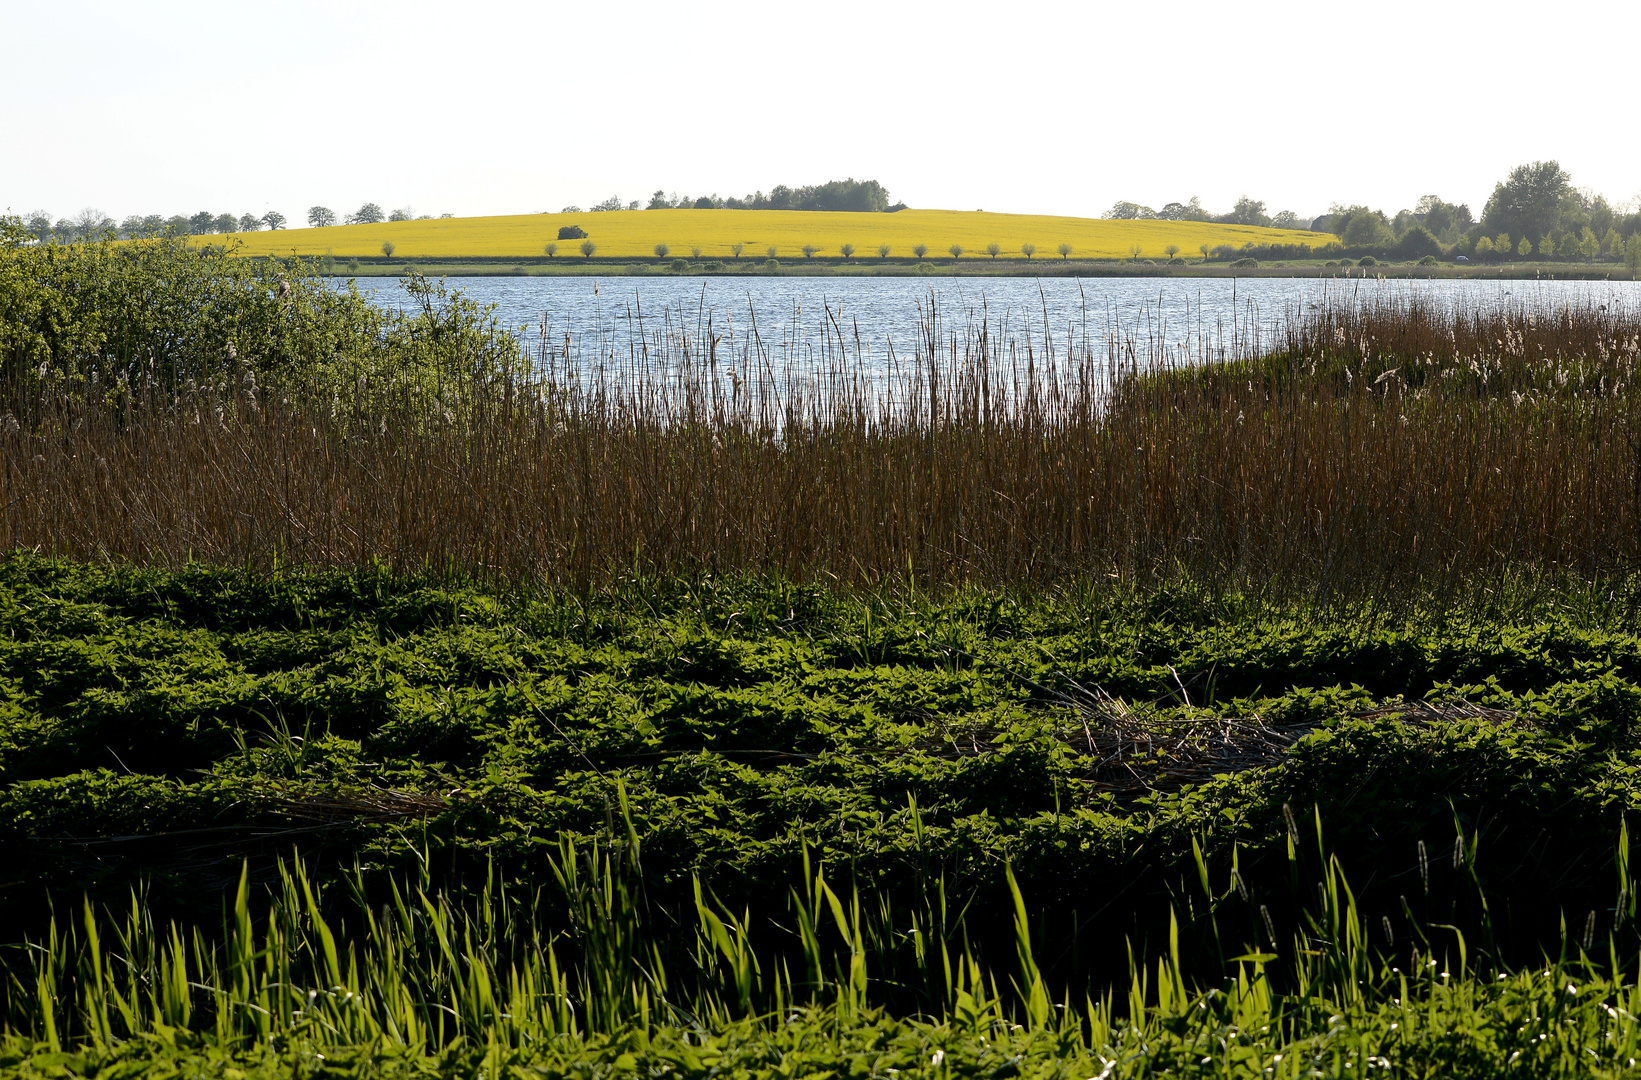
[{"x": 1379, "y": 447}]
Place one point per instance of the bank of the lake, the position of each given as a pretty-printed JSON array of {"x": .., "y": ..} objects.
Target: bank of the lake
[{"x": 565, "y": 266}]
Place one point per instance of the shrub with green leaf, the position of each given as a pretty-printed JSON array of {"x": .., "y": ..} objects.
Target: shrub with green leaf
[{"x": 114, "y": 320}]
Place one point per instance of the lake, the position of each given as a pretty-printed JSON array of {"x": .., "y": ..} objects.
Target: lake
[{"x": 802, "y": 320}]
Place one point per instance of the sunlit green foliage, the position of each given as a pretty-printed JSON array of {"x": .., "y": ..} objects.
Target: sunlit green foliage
[
  {"x": 587, "y": 977},
  {"x": 1084, "y": 738},
  {"x": 113, "y": 320}
]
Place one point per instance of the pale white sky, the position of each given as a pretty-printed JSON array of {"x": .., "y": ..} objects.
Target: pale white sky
[{"x": 488, "y": 106}]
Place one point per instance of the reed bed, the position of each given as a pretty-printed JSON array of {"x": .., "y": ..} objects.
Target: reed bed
[{"x": 1372, "y": 446}]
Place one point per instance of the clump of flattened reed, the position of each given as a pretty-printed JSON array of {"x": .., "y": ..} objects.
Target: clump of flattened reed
[{"x": 1380, "y": 446}]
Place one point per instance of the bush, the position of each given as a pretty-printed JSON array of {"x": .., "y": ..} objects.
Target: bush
[
  {"x": 1416, "y": 243},
  {"x": 1263, "y": 252},
  {"x": 714, "y": 265},
  {"x": 1176, "y": 262},
  {"x": 571, "y": 232},
  {"x": 679, "y": 266},
  {"x": 1246, "y": 262},
  {"x": 1429, "y": 260},
  {"x": 772, "y": 264},
  {"x": 1367, "y": 260},
  {"x": 158, "y": 313}
]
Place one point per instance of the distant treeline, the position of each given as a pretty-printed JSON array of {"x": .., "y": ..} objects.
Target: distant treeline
[
  {"x": 859, "y": 196},
  {"x": 322, "y": 217},
  {"x": 867, "y": 196},
  {"x": 1535, "y": 212},
  {"x": 1247, "y": 211},
  {"x": 91, "y": 224}
]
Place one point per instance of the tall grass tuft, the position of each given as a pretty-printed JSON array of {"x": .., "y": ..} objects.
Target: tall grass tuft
[{"x": 397, "y": 964}]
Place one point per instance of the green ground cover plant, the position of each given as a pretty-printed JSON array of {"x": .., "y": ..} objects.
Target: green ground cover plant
[{"x": 169, "y": 732}]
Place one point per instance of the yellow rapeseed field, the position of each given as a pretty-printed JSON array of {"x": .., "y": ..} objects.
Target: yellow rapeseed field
[{"x": 627, "y": 233}]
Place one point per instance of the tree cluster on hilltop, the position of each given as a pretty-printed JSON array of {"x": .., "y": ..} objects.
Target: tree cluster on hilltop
[
  {"x": 320, "y": 217},
  {"x": 1247, "y": 211},
  {"x": 851, "y": 195}
]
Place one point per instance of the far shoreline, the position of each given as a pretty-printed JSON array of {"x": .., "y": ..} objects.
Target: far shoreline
[{"x": 1038, "y": 268}]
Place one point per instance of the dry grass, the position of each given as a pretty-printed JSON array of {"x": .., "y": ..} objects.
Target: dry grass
[
  {"x": 1137, "y": 751},
  {"x": 1386, "y": 445}
]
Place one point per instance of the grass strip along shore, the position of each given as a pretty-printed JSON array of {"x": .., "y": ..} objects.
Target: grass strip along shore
[{"x": 380, "y": 701}]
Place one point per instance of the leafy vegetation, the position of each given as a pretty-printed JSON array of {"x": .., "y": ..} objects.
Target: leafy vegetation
[
  {"x": 433, "y": 988},
  {"x": 1535, "y": 212},
  {"x": 887, "y": 756},
  {"x": 747, "y": 721},
  {"x": 1536, "y": 205},
  {"x": 115, "y": 323}
]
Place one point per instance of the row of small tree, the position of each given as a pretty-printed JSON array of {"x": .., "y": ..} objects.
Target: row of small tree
[
  {"x": 1571, "y": 245},
  {"x": 848, "y": 251},
  {"x": 1246, "y": 211},
  {"x": 323, "y": 217},
  {"x": 91, "y": 224}
]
